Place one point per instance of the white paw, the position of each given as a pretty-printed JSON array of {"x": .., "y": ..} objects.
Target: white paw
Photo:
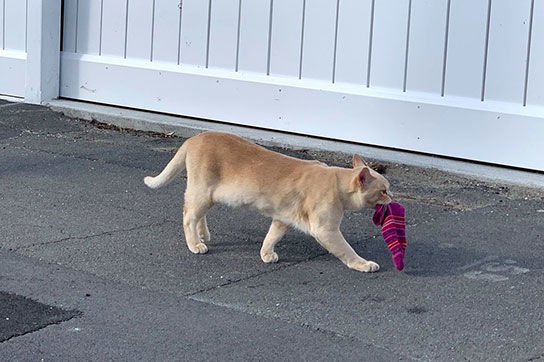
[
  {"x": 199, "y": 248},
  {"x": 269, "y": 257},
  {"x": 364, "y": 266},
  {"x": 204, "y": 238}
]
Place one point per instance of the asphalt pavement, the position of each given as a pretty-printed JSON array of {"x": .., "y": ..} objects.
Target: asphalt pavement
[{"x": 93, "y": 264}]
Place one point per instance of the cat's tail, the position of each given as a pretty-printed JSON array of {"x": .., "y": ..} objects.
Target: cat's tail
[{"x": 172, "y": 169}]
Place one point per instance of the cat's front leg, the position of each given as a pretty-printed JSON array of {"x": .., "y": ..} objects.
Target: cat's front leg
[{"x": 334, "y": 242}]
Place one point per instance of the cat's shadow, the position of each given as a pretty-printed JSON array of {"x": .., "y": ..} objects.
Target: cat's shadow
[
  {"x": 291, "y": 248},
  {"x": 424, "y": 259},
  {"x": 421, "y": 260}
]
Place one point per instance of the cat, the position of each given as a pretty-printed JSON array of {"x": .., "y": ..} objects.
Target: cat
[{"x": 307, "y": 195}]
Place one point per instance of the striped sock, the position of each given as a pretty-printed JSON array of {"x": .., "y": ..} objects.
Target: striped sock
[{"x": 391, "y": 218}]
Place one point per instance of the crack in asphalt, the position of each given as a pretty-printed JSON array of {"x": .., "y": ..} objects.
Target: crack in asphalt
[
  {"x": 193, "y": 296},
  {"x": 78, "y": 157},
  {"x": 76, "y": 315},
  {"x": 26, "y": 131},
  {"x": 536, "y": 358},
  {"x": 110, "y": 232},
  {"x": 265, "y": 272}
]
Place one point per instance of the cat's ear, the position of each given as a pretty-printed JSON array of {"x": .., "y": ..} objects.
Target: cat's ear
[
  {"x": 365, "y": 177},
  {"x": 358, "y": 161},
  {"x": 361, "y": 179}
]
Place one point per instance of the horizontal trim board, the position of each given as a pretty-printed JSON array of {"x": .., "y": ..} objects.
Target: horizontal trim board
[
  {"x": 454, "y": 128},
  {"x": 12, "y": 73}
]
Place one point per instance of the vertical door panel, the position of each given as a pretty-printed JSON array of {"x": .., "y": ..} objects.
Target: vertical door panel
[
  {"x": 506, "y": 59},
  {"x": 88, "y": 27},
  {"x": 466, "y": 48},
  {"x": 319, "y": 38},
  {"x": 352, "y": 43},
  {"x": 69, "y": 32},
  {"x": 254, "y": 26},
  {"x": 286, "y": 37},
  {"x": 139, "y": 29},
  {"x": 15, "y": 25},
  {"x": 223, "y": 34},
  {"x": 166, "y": 31},
  {"x": 114, "y": 21},
  {"x": 389, "y": 44},
  {"x": 426, "y": 46},
  {"x": 194, "y": 32},
  {"x": 535, "y": 79}
]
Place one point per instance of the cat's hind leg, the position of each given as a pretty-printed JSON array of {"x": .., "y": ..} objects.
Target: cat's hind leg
[
  {"x": 275, "y": 233},
  {"x": 194, "y": 211},
  {"x": 203, "y": 231}
]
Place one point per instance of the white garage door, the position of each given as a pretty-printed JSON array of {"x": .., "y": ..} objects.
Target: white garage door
[
  {"x": 12, "y": 47},
  {"x": 461, "y": 78}
]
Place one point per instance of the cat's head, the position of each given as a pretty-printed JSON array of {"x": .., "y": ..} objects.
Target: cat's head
[{"x": 372, "y": 188}]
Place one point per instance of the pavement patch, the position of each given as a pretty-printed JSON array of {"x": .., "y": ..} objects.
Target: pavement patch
[{"x": 20, "y": 315}]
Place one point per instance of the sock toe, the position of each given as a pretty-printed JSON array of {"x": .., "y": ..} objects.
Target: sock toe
[{"x": 398, "y": 260}]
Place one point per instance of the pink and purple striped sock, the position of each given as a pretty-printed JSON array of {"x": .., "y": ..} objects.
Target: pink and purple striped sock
[{"x": 391, "y": 218}]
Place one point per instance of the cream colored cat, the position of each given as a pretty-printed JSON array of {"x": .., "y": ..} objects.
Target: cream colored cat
[{"x": 308, "y": 195}]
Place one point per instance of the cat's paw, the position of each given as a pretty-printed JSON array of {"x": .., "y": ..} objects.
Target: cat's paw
[
  {"x": 199, "y": 248},
  {"x": 364, "y": 266},
  {"x": 269, "y": 257}
]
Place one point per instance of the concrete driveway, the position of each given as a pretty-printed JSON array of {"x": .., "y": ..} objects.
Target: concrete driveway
[{"x": 93, "y": 264}]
